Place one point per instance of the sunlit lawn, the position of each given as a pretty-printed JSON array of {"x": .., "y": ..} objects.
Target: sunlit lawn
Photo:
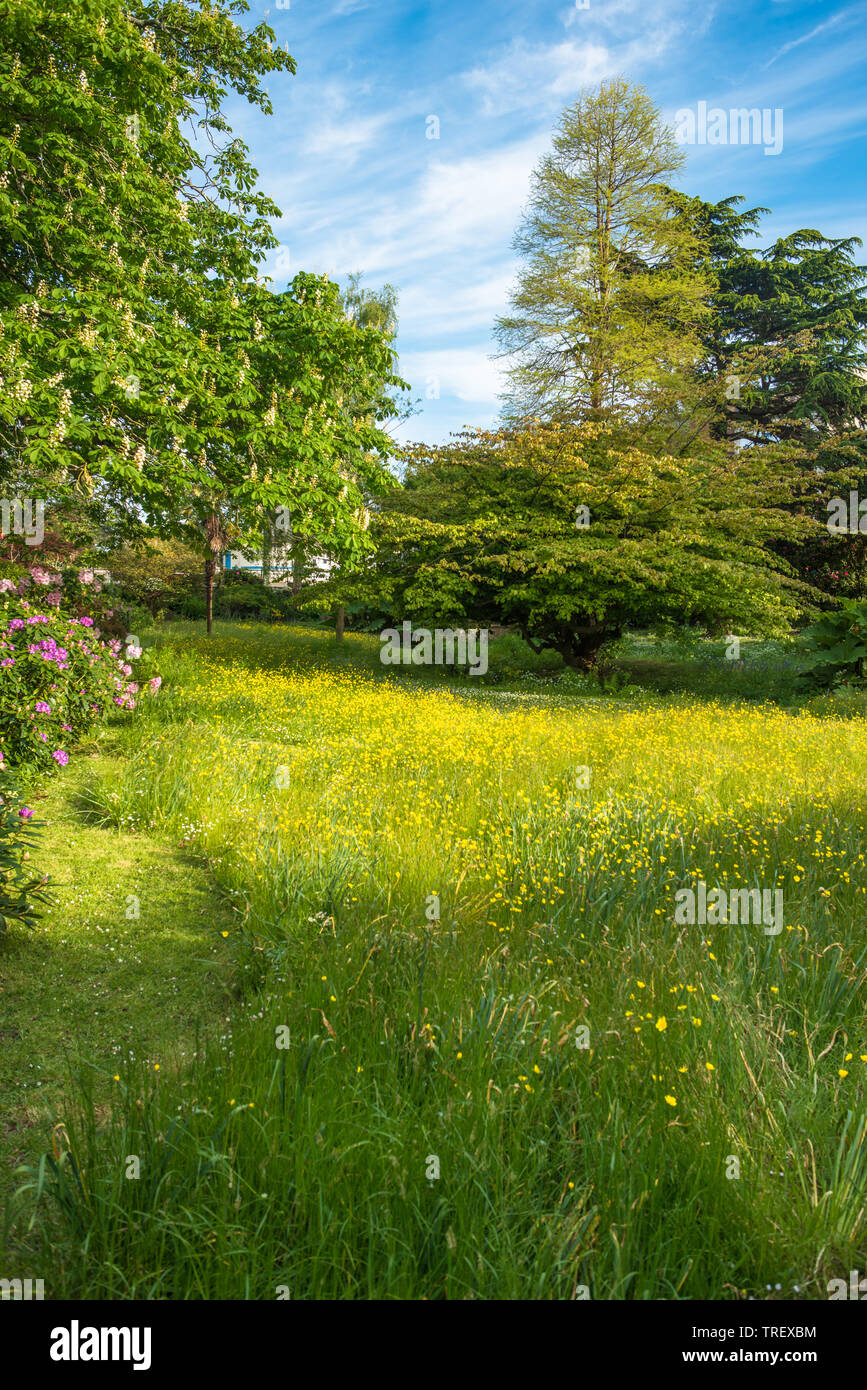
[{"x": 476, "y": 1056}]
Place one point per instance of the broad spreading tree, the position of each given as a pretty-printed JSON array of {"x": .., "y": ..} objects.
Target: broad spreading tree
[{"x": 575, "y": 532}]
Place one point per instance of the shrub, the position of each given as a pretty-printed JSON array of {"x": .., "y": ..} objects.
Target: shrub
[
  {"x": 156, "y": 577},
  {"x": 510, "y": 658},
  {"x": 837, "y": 644},
  {"x": 191, "y": 606},
  {"x": 137, "y": 619},
  {"x": 58, "y": 673},
  {"x": 244, "y": 599},
  {"x": 242, "y": 595},
  {"x": 20, "y": 890}
]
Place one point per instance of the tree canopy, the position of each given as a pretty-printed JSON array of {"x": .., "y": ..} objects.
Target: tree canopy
[{"x": 574, "y": 532}]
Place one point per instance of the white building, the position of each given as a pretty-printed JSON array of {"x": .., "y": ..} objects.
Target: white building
[{"x": 281, "y": 573}]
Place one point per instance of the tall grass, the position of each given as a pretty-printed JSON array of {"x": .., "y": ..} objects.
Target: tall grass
[{"x": 549, "y": 1088}]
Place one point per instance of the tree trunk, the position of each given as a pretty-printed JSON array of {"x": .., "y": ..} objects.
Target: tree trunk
[
  {"x": 341, "y": 621},
  {"x": 209, "y": 591},
  {"x": 267, "y": 547}
]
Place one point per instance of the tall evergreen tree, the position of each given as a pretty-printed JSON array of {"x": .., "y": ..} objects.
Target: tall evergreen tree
[
  {"x": 786, "y": 339},
  {"x": 610, "y": 301}
]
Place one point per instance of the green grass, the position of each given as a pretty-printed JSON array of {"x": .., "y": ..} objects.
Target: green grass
[
  {"x": 92, "y": 982},
  {"x": 328, "y": 801}
]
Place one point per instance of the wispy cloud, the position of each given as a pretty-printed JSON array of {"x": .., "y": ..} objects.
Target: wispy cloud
[
  {"x": 808, "y": 38},
  {"x": 346, "y": 156}
]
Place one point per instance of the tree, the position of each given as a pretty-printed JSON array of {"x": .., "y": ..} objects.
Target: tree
[
  {"x": 317, "y": 451},
  {"x": 141, "y": 361},
  {"x": 124, "y": 245},
  {"x": 787, "y": 331},
  {"x": 611, "y": 299},
  {"x": 371, "y": 312},
  {"x": 576, "y": 532}
]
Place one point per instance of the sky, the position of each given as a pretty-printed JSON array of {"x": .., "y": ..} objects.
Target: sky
[{"x": 403, "y": 146}]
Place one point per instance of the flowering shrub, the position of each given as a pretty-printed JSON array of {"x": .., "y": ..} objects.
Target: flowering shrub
[
  {"x": 59, "y": 672},
  {"x": 19, "y": 890}
]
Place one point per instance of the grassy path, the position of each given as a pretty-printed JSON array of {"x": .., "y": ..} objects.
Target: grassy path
[{"x": 95, "y": 981}]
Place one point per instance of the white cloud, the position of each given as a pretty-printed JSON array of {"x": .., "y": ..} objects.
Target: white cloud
[
  {"x": 465, "y": 373},
  {"x": 547, "y": 76},
  {"x": 805, "y": 38},
  {"x": 454, "y": 207},
  {"x": 434, "y": 301},
  {"x": 524, "y": 74},
  {"x": 345, "y": 138}
]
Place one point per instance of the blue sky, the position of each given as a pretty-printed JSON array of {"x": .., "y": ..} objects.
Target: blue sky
[{"x": 348, "y": 158}]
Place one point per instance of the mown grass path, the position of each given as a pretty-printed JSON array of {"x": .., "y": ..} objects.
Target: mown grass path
[{"x": 93, "y": 982}]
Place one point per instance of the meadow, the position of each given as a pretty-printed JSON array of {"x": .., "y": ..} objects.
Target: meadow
[{"x": 466, "y": 1049}]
